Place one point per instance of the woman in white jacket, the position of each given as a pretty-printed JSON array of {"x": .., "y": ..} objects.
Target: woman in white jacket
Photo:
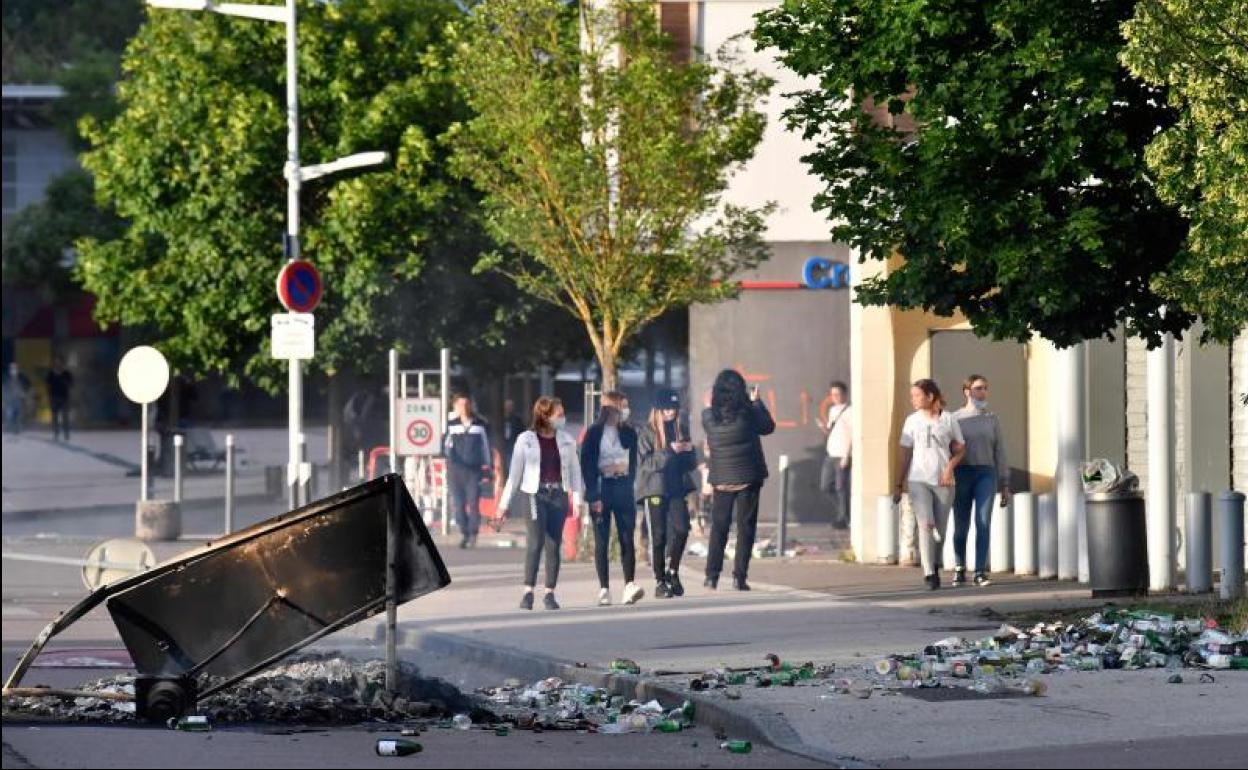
[{"x": 547, "y": 469}]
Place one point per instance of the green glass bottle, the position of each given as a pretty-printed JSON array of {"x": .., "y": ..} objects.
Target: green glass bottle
[
  {"x": 737, "y": 747},
  {"x": 668, "y": 726},
  {"x": 193, "y": 723},
  {"x": 397, "y": 747}
]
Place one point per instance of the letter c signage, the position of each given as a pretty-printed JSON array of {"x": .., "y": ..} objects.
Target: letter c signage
[{"x": 822, "y": 273}]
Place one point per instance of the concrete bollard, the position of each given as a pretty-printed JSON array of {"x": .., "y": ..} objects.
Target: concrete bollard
[
  {"x": 1046, "y": 537},
  {"x": 178, "y": 442},
  {"x": 1232, "y": 531},
  {"x": 885, "y": 530},
  {"x": 1024, "y": 506},
  {"x": 157, "y": 520},
  {"x": 1001, "y": 549},
  {"x": 1199, "y": 542}
]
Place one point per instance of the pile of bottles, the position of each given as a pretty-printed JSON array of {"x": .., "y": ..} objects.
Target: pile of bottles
[{"x": 552, "y": 704}]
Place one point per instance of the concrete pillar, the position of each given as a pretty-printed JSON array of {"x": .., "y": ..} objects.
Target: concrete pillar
[
  {"x": 1069, "y": 394},
  {"x": 1024, "y": 534},
  {"x": 1161, "y": 513},
  {"x": 872, "y": 371}
]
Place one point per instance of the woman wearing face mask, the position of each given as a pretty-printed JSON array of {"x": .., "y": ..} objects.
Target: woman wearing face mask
[
  {"x": 666, "y": 460},
  {"x": 931, "y": 448},
  {"x": 609, "y": 462},
  {"x": 983, "y": 472},
  {"x": 546, "y": 468}
]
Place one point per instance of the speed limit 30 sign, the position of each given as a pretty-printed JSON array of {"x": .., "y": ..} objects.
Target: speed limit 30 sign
[{"x": 418, "y": 426}]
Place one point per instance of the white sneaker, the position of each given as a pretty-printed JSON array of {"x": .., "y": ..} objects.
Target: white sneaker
[
  {"x": 633, "y": 593},
  {"x": 604, "y": 597}
]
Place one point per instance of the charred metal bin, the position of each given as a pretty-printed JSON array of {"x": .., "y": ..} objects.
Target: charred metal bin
[{"x": 238, "y": 605}]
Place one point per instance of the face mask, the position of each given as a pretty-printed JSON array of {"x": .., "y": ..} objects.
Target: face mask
[
  {"x": 979, "y": 403},
  {"x": 625, "y": 413},
  {"x": 558, "y": 422}
]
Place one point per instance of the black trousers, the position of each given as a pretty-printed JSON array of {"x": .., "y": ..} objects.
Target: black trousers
[
  {"x": 668, "y": 521},
  {"x": 834, "y": 481},
  {"x": 724, "y": 505},
  {"x": 60, "y": 421},
  {"x": 466, "y": 499},
  {"x": 617, "y": 503},
  {"x": 547, "y": 510}
]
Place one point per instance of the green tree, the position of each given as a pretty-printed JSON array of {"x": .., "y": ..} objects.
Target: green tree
[
  {"x": 1020, "y": 196},
  {"x": 602, "y": 158},
  {"x": 1198, "y": 50},
  {"x": 193, "y": 163}
]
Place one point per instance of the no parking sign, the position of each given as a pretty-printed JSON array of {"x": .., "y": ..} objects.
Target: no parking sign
[{"x": 418, "y": 426}]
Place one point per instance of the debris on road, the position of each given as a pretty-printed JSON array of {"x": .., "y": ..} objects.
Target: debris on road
[{"x": 552, "y": 704}]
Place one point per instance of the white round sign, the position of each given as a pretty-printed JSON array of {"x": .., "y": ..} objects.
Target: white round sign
[
  {"x": 115, "y": 560},
  {"x": 143, "y": 374}
]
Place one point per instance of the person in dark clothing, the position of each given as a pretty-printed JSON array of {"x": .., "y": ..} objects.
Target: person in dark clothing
[
  {"x": 466, "y": 447},
  {"x": 59, "y": 380},
  {"x": 734, "y": 425},
  {"x": 609, "y": 465},
  {"x": 513, "y": 426},
  {"x": 666, "y": 461}
]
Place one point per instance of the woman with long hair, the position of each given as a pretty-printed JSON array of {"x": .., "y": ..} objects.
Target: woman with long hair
[
  {"x": 984, "y": 472},
  {"x": 734, "y": 424},
  {"x": 931, "y": 448},
  {"x": 546, "y": 468},
  {"x": 666, "y": 461},
  {"x": 609, "y": 464}
]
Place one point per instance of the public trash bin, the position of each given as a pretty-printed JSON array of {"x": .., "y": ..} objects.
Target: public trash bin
[{"x": 1117, "y": 543}]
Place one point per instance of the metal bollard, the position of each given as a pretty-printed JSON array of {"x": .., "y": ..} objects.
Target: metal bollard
[
  {"x": 178, "y": 441},
  {"x": 1046, "y": 537},
  {"x": 1024, "y": 506},
  {"x": 885, "y": 530},
  {"x": 229, "y": 483},
  {"x": 303, "y": 477},
  {"x": 781, "y": 535},
  {"x": 1199, "y": 542},
  {"x": 1232, "y": 515},
  {"x": 1001, "y": 548},
  {"x": 360, "y": 472}
]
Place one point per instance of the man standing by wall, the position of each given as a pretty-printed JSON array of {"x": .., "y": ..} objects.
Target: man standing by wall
[
  {"x": 834, "y": 479},
  {"x": 59, "y": 381}
]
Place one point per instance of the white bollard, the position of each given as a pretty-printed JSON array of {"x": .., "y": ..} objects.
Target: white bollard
[
  {"x": 1001, "y": 550},
  {"x": 1046, "y": 537},
  {"x": 886, "y": 515},
  {"x": 1024, "y": 506},
  {"x": 178, "y": 442}
]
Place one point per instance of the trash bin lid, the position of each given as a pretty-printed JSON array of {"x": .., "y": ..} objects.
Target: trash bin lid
[{"x": 1105, "y": 497}]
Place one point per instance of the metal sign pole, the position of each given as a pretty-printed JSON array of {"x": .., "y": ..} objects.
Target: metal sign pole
[
  {"x": 392, "y": 534},
  {"x": 444, "y": 407},
  {"x": 143, "y": 457}
]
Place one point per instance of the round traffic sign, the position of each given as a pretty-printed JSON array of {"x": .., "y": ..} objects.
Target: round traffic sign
[
  {"x": 114, "y": 560},
  {"x": 299, "y": 286},
  {"x": 143, "y": 374},
  {"x": 420, "y": 432}
]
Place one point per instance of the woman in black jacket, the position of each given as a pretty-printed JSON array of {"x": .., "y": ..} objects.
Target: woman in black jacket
[
  {"x": 666, "y": 461},
  {"x": 734, "y": 424},
  {"x": 609, "y": 466}
]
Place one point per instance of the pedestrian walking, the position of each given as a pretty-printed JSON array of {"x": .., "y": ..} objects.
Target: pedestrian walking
[
  {"x": 609, "y": 464},
  {"x": 466, "y": 447},
  {"x": 545, "y": 467},
  {"x": 834, "y": 478},
  {"x": 734, "y": 424},
  {"x": 666, "y": 463},
  {"x": 15, "y": 392},
  {"x": 983, "y": 472},
  {"x": 931, "y": 448},
  {"x": 59, "y": 381}
]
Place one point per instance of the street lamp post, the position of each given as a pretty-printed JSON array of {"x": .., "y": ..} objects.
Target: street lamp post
[{"x": 295, "y": 174}]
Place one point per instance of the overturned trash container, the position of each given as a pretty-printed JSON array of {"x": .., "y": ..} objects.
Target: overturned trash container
[
  {"x": 201, "y": 622},
  {"x": 1117, "y": 543}
]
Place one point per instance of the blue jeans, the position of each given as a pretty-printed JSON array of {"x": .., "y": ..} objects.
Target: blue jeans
[{"x": 973, "y": 484}]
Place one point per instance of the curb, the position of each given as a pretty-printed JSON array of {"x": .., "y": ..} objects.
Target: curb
[{"x": 737, "y": 721}]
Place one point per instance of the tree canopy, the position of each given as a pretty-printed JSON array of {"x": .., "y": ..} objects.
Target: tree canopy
[
  {"x": 602, "y": 155},
  {"x": 1005, "y": 162}
]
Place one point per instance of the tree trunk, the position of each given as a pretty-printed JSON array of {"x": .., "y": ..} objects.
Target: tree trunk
[{"x": 607, "y": 362}]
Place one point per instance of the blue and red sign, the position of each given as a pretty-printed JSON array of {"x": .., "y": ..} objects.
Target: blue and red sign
[
  {"x": 817, "y": 273},
  {"x": 299, "y": 286}
]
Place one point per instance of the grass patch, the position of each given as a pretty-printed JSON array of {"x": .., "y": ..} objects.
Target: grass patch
[{"x": 1231, "y": 614}]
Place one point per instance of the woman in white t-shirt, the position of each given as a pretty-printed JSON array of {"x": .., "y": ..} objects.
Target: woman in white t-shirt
[{"x": 931, "y": 447}]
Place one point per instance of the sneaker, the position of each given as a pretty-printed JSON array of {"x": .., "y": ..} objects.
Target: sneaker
[
  {"x": 526, "y": 602},
  {"x": 740, "y": 584},
  {"x": 662, "y": 591},
  {"x": 549, "y": 602},
  {"x": 933, "y": 581},
  {"x": 633, "y": 593},
  {"x": 711, "y": 583},
  {"x": 982, "y": 580},
  {"x": 604, "y": 597},
  {"x": 673, "y": 580},
  {"x": 959, "y": 576},
  {"x": 463, "y": 543}
]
